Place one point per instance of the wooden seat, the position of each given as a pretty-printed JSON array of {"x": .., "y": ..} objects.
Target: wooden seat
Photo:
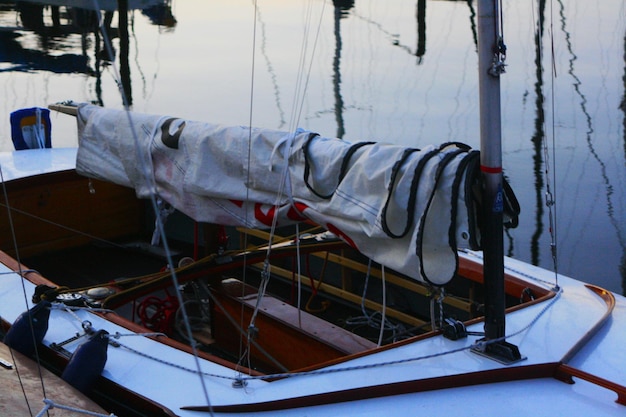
[{"x": 295, "y": 339}]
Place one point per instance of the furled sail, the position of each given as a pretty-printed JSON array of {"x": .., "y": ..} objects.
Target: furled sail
[{"x": 406, "y": 208}]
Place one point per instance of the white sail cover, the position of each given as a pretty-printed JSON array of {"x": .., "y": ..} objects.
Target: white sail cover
[{"x": 404, "y": 208}]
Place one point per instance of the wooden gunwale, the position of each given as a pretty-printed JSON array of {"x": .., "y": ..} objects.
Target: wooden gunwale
[
  {"x": 609, "y": 300},
  {"x": 385, "y": 390},
  {"x": 506, "y": 374}
]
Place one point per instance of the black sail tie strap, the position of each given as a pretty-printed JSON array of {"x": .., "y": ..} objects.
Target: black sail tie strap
[
  {"x": 410, "y": 207},
  {"x": 449, "y": 157},
  {"x": 469, "y": 163},
  {"x": 417, "y": 174},
  {"x": 342, "y": 172}
]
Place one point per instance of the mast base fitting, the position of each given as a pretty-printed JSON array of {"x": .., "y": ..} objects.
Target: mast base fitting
[{"x": 499, "y": 351}]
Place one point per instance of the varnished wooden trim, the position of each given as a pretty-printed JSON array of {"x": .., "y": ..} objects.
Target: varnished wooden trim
[
  {"x": 385, "y": 390},
  {"x": 556, "y": 370},
  {"x": 29, "y": 274},
  {"x": 134, "y": 327},
  {"x": 609, "y": 300},
  {"x": 565, "y": 373}
]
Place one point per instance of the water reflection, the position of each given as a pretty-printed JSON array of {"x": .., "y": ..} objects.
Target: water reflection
[
  {"x": 341, "y": 11},
  {"x": 420, "y": 13},
  {"x": 402, "y": 71},
  {"x": 25, "y": 59},
  {"x": 54, "y": 22},
  {"x": 607, "y": 182},
  {"x": 538, "y": 137},
  {"x": 270, "y": 68}
]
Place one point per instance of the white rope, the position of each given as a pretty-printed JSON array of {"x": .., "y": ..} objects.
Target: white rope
[
  {"x": 384, "y": 309},
  {"x": 61, "y": 306},
  {"x": 117, "y": 335},
  {"x": 50, "y": 404},
  {"x": 372, "y": 320}
]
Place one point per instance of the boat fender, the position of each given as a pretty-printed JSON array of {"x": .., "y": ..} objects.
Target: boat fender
[
  {"x": 22, "y": 336},
  {"x": 87, "y": 362}
]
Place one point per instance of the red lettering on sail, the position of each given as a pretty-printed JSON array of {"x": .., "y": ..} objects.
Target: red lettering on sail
[
  {"x": 342, "y": 235},
  {"x": 265, "y": 218},
  {"x": 295, "y": 212}
]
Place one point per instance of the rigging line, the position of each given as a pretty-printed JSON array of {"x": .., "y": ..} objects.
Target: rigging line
[
  {"x": 270, "y": 70},
  {"x": 22, "y": 281},
  {"x": 550, "y": 200},
  {"x": 372, "y": 320},
  {"x": 298, "y": 265},
  {"x": 19, "y": 377},
  {"x": 548, "y": 284},
  {"x": 384, "y": 306},
  {"x": 244, "y": 351},
  {"x": 49, "y": 405},
  {"x": 249, "y": 156},
  {"x": 298, "y": 108},
  {"x": 143, "y": 166},
  {"x": 284, "y": 181},
  {"x": 241, "y": 331},
  {"x": 300, "y": 71},
  {"x": 302, "y": 84},
  {"x": 394, "y": 38}
]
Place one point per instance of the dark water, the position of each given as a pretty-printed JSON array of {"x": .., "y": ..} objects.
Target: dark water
[{"x": 395, "y": 71}]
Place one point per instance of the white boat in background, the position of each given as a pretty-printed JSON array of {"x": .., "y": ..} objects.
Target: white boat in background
[{"x": 375, "y": 313}]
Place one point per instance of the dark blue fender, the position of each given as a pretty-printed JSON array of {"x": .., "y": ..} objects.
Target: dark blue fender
[
  {"x": 87, "y": 362},
  {"x": 22, "y": 336}
]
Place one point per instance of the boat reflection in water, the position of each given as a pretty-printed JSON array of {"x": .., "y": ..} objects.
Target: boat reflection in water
[{"x": 55, "y": 22}]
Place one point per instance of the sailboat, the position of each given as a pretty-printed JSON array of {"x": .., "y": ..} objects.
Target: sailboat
[{"x": 362, "y": 303}]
